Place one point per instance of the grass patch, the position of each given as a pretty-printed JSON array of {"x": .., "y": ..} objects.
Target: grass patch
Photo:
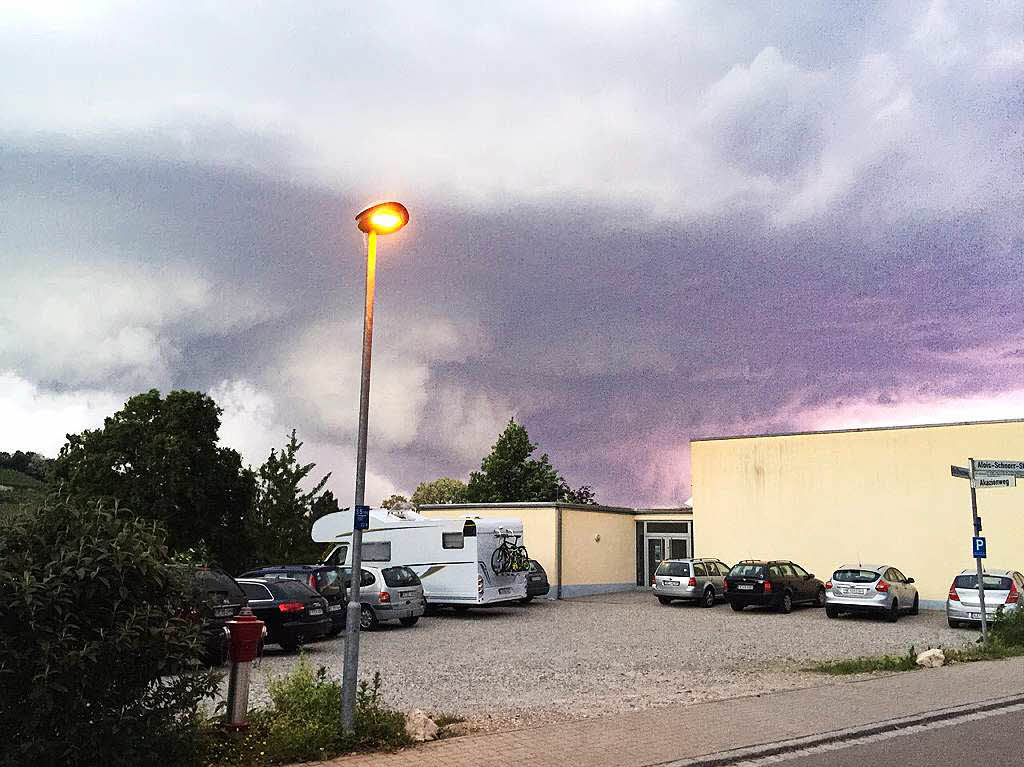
[
  {"x": 445, "y": 722},
  {"x": 867, "y": 665}
]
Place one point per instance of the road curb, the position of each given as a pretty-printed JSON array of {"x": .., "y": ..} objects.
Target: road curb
[{"x": 723, "y": 758}]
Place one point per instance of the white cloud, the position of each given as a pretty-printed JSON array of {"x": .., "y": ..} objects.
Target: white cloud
[{"x": 37, "y": 420}]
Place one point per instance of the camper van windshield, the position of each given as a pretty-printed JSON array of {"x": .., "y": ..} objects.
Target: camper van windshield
[{"x": 396, "y": 577}]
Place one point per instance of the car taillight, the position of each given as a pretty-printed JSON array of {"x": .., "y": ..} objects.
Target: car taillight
[
  {"x": 312, "y": 582},
  {"x": 290, "y": 607},
  {"x": 725, "y": 586},
  {"x": 767, "y": 587},
  {"x": 385, "y": 596},
  {"x": 692, "y": 583},
  {"x": 1014, "y": 596},
  {"x": 953, "y": 596},
  {"x": 828, "y": 585},
  {"x": 479, "y": 584},
  {"x": 882, "y": 586}
]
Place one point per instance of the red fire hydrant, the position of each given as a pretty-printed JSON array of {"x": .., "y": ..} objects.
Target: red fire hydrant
[{"x": 243, "y": 647}]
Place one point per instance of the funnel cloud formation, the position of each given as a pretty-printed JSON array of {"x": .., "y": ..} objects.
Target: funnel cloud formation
[{"x": 632, "y": 224}]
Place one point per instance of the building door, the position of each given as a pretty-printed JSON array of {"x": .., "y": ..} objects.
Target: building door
[{"x": 662, "y": 547}]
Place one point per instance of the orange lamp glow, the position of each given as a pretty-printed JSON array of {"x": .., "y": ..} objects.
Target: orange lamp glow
[{"x": 383, "y": 218}]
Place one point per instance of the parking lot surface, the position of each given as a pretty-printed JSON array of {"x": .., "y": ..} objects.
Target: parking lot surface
[{"x": 510, "y": 667}]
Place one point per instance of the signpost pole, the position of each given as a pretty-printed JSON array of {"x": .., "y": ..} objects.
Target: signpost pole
[{"x": 981, "y": 570}]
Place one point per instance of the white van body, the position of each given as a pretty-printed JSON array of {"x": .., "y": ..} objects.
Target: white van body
[{"x": 452, "y": 557}]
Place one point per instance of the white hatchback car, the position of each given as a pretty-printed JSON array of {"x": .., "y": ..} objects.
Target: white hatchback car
[
  {"x": 1003, "y": 590},
  {"x": 879, "y": 589}
]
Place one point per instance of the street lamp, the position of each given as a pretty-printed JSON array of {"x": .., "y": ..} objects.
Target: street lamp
[{"x": 382, "y": 218}]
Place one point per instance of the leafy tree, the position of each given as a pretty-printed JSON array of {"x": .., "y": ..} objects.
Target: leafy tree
[
  {"x": 393, "y": 501},
  {"x": 29, "y": 463},
  {"x": 283, "y": 513},
  {"x": 510, "y": 475},
  {"x": 584, "y": 495},
  {"x": 96, "y": 666},
  {"x": 159, "y": 456},
  {"x": 325, "y": 504},
  {"x": 443, "y": 490}
]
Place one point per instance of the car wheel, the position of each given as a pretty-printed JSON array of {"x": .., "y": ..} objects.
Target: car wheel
[
  {"x": 367, "y": 619},
  {"x": 410, "y": 621},
  {"x": 737, "y": 606},
  {"x": 664, "y": 600},
  {"x": 831, "y": 611},
  {"x": 786, "y": 606},
  {"x": 820, "y": 601},
  {"x": 709, "y": 598},
  {"x": 525, "y": 600},
  {"x": 915, "y": 608},
  {"x": 894, "y": 612}
]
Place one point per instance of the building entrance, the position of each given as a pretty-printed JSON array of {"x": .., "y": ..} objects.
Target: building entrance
[{"x": 661, "y": 541}]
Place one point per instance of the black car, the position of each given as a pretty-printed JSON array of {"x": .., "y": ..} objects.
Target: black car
[
  {"x": 325, "y": 580},
  {"x": 772, "y": 583},
  {"x": 292, "y": 612},
  {"x": 216, "y": 598},
  {"x": 536, "y": 582}
]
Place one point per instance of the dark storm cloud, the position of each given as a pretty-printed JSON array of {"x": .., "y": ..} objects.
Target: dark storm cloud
[{"x": 677, "y": 222}]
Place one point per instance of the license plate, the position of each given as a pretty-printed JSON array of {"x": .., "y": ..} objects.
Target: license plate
[
  {"x": 316, "y": 611},
  {"x": 536, "y": 578},
  {"x": 223, "y": 612},
  {"x": 745, "y": 587},
  {"x": 506, "y": 590},
  {"x": 407, "y": 593},
  {"x": 671, "y": 583},
  {"x": 334, "y": 608},
  {"x": 859, "y": 592},
  {"x": 974, "y": 616}
]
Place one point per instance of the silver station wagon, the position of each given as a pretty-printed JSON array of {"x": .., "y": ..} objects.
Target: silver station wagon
[
  {"x": 880, "y": 589},
  {"x": 1003, "y": 590},
  {"x": 693, "y": 580},
  {"x": 387, "y": 594}
]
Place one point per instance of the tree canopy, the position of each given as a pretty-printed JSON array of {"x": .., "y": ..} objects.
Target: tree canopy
[
  {"x": 509, "y": 475},
  {"x": 160, "y": 457},
  {"x": 443, "y": 490}
]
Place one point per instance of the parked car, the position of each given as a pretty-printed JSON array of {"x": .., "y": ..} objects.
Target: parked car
[
  {"x": 325, "y": 580},
  {"x": 216, "y": 598},
  {"x": 387, "y": 594},
  {"x": 772, "y": 583},
  {"x": 292, "y": 611},
  {"x": 693, "y": 580},
  {"x": 536, "y": 582},
  {"x": 879, "y": 589},
  {"x": 1003, "y": 590}
]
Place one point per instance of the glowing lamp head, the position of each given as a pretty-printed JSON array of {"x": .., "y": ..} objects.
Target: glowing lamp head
[{"x": 383, "y": 218}]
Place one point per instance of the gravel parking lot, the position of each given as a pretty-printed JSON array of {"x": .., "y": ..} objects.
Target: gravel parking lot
[{"x": 516, "y": 666}]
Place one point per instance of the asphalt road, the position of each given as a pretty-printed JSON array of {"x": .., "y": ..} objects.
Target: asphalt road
[{"x": 992, "y": 740}]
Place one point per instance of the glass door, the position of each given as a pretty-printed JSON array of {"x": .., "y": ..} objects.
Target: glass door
[{"x": 655, "y": 554}]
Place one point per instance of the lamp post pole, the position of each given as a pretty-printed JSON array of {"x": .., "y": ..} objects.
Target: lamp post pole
[{"x": 351, "y": 670}]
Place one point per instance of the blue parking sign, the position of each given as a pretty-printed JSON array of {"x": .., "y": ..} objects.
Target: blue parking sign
[
  {"x": 979, "y": 547},
  {"x": 362, "y": 518}
]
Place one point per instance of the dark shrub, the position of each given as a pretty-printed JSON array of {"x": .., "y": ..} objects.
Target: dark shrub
[{"x": 95, "y": 666}]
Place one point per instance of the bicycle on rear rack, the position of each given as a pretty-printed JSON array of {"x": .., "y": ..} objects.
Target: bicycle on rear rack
[{"x": 510, "y": 556}]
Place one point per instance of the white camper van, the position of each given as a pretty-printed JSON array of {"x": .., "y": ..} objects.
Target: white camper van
[{"x": 466, "y": 561}]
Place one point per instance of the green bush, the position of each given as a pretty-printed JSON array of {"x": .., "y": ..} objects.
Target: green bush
[
  {"x": 304, "y": 723},
  {"x": 1008, "y": 628},
  {"x": 95, "y": 667}
]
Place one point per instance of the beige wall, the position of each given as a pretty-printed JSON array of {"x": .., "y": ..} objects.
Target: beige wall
[
  {"x": 588, "y": 561},
  {"x": 879, "y": 496}
]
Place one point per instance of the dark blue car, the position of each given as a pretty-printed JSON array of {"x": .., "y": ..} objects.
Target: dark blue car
[{"x": 325, "y": 580}]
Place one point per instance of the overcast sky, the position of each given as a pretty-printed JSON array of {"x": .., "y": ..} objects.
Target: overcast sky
[{"x": 633, "y": 224}]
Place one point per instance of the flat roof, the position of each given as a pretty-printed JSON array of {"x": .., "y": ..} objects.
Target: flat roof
[
  {"x": 864, "y": 428},
  {"x": 558, "y": 504}
]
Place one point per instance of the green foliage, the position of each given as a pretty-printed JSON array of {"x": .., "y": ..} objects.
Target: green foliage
[
  {"x": 95, "y": 667},
  {"x": 31, "y": 464},
  {"x": 443, "y": 490},
  {"x": 19, "y": 492},
  {"x": 1008, "y": 628},
  {"x": 282, "y": 515},
  {"x": 305, "y": 723},
  {"x": 509, "y": 475},
  {"x": 393, "y": 501},
  {"x": 159, "y": 456},
  {"x": 905, "y": 662}
]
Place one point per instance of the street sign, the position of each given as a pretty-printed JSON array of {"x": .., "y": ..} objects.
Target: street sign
[
  {"x": 998, "y": 468},
  {"x": 362, "y": 521},
  {"x": 981, "y": 482},
  {"x": 960, "y": 472},
  {"x": 979, "y": 547}
]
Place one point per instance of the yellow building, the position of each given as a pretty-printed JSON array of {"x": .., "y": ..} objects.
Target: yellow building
[
  {"x": 591, "y": 549},
  {"x": 885, "y": 495}
]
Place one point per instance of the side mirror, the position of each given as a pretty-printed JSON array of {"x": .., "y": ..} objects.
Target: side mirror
[{"x": 910, "y": 580}]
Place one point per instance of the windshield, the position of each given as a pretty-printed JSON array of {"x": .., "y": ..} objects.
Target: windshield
[
  {"x": 747, "y": 570},
  {"x": 855, "y": 576},
  {"x": 993, "y": 582},
  {"x": 396, "y": 577},
  {"x": 673, "y": 568}
]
